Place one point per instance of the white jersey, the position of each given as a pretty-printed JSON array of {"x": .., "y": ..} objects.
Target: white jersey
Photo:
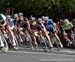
[{"x": 11, "y": 23}]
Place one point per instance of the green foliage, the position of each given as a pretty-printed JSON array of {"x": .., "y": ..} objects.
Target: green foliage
[{"x": 52, "y": 8}]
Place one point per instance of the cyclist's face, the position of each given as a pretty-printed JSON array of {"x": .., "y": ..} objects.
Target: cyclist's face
[
  {"x": 46, "y": 22},
  {"x": 41, "y": 22},
  {"x": 65, "y": 23},
  {"x": 61, "y": 22},
  {"x": 34, "y": 23}
]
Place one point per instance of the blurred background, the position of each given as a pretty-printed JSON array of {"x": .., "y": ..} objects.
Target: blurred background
[{"x": 51, "y": 8}]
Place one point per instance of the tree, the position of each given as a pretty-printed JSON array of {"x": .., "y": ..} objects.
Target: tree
[{"x": 52, "y": 8}]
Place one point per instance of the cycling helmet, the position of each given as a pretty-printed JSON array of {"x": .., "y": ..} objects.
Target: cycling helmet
[
  {"x": 45, "y": 18},
  {"x": 50, "y": 22},
  {"x": 20, "y": 14},
  {"x": 15, "y": 16},
  {"x": 32, "y": 19},
  {"x": 2, "y": 17},
  {"x": 39, "y": 19},
  {"x": 66, "y": 21},
  {"x": 8, "y": 16}
]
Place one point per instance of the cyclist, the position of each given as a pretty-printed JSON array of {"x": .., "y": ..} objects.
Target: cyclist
[
  {"x": 52, "y": 29},
  {"x": 3, "y": 24},
  {"x": 34, "y": 31},
  {"x": 23, "y": 27},
  {"x": 67, "y": 30},
  {"x": 21, "y": 23}
]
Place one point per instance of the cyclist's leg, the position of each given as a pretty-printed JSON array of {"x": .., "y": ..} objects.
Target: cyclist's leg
[
  {"x": 49, "y": 40},
  {"x": 58, "y": 40},
  {"x": 57, "y": 37},
  {"x": 66, "y": 38},
  {"x": 20, "y": 30},
  {"x": 11, "y": 35},
  {"x": 34, "y": 38}
]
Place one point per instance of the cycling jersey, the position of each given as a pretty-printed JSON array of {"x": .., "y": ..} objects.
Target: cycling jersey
[
  {"x": 11, "y": 23},
  {"x": 22, "y": 23},
  {"x": 50, "y": 26},
  {"x": 67, "y": 28},
  {"x": 37, "y": 27},
  {"x": 15, "y": 22}
]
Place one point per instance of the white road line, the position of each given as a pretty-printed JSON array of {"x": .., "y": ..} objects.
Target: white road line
[
  {"x": 40, "y": 53},
  {"x": 69, "y": 60}
]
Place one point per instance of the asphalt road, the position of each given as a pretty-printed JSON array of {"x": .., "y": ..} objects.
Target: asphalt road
[{"x": 33, "y": 56}]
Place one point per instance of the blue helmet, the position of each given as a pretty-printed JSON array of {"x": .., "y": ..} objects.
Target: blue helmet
[{"x": 50, "y": 22}]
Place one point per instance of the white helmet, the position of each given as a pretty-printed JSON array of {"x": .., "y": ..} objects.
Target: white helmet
[
  {"x": 45, "y": 18},
  {"x": 2, "y": 17},
  {"x": 20, "y": 14},
  {"x": 32, "y": 18},
  {"x": 66, "y": 20},
  {"x": 39, "y": 19},
  {"x": 8, "y": 16}
]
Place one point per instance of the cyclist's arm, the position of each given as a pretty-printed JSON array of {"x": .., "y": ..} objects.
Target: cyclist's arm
[{"x": 4, "y": 23}]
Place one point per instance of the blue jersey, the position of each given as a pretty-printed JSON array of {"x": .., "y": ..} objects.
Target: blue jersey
[{"x": 50, "y": 26}]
